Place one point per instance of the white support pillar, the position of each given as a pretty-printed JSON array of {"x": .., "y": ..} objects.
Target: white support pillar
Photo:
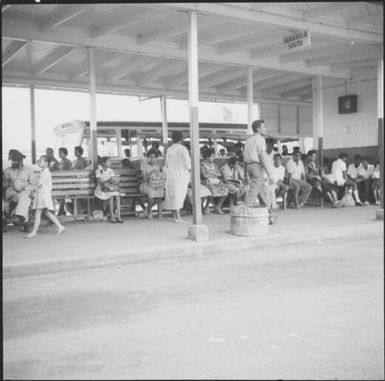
[
  {"x": 380, "y": 118},
  {"x": 197, "y": 231},
  {"x": 93, "y": 126},
  {"x": 318, "y": 127},
  {"x": 249, "y": 99},
  {"x": 33, "y": 124},
  {"x": 163, "y": 108}
]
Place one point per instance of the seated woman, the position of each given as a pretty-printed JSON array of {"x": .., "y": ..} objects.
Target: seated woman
[
  {"x": 212, "y": 179},
  {"x": 153, "y": 183},
  {"x": 313, "y": 177},
  {"x": 232, "y": 178},
  {"x": 107, "y": 188}
]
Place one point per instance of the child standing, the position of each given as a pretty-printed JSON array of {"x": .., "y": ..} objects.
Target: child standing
[
  {"x": 376, "y": 183},
  {"x": 43, "y": 200}
]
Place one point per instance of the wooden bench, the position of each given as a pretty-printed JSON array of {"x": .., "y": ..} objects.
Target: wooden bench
[
  {"x": 129, "y": 185},
  {"x": 76, "y": 185}
]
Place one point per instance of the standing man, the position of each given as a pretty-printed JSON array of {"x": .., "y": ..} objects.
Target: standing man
[
  {"x": 256, "y": 164},
  {"x": 297, "y": 180}
]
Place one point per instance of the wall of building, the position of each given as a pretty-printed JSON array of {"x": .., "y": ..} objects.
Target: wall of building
[{"x": 356, "y": 132}]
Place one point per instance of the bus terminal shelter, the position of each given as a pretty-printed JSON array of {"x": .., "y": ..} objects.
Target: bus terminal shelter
[{"x": 294, "y": 60}]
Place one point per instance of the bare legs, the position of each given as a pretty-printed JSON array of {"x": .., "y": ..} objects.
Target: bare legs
[
  {"x": 111, "y": 207},
  {"x": 36, "y": 224}
]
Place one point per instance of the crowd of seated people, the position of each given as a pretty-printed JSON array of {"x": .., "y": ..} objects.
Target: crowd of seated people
[{"x": 296, "y": 176}]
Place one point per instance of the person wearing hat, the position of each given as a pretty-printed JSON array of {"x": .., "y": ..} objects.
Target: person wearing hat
[{"x": 19, "y": 182}]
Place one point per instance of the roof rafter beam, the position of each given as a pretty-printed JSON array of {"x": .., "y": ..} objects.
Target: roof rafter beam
[
  {"x": 277, "y": 79},
  {"x": 312, "y": 53},
  {"x": 169, "y": 31},
  {"x": 344, "y": 57},
  {"x": 296, "y": 92},
  {"x": 12, "y": 50},
  {"x": 4, "y": 8},
  {"x": 160, "y": 70},
  {"x": 354, "y": 64},
  {"x": 18, "y": 30},
  {"x": 120, "y": 21},
  {"x": 273, "y": 20},
  {"x": 52, "y": 59},
  {"x": 60, "y": 17},
  {"x": 287, "y": 86},
  {"x": 326, "y": 10},
  {"x": 133, "y": 63},
  {"x": 252, "y": 42},
  {"x": 182, "y": 77},
  {"x": 219, "y": 77},
  {"x": 364, "y": 20}
]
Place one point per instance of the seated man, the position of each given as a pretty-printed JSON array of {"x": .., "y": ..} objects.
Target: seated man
[
  {"x": 313, "y": 177},
  {"x": 80, "y": 162},
  {"x": 296, "y": 173},
  {"x": 278, "y": 188},
  {"x": 232, "y": 178},
  {"x": 354, "y": 177},
  {"x": 19, "y": 182}
]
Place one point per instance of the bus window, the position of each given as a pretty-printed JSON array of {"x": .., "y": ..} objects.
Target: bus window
[{"x": 107, "y": 146}]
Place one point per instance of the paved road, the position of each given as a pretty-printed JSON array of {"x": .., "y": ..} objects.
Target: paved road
[{"x": 305, "y": 312}]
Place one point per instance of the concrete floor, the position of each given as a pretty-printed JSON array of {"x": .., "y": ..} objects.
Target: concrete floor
[{"x": 297, "y": 312}]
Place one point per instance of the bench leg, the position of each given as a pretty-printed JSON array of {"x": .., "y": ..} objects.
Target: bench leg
[
  {"x": 284, "y": 200},
  {"x": 75, "y": 208}
]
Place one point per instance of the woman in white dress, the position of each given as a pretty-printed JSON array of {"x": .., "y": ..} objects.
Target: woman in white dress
[
  {"x": 178, "y": 166},
  {"x": 107, "y": 188}
]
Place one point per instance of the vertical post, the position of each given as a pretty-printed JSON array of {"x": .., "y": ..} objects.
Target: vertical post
[
  {"x": 320, "y": 120},
  {"x": 163, "y": 107},
  {"x": 33, "y": 124},
  {"x": 194, "y": 124},
  {"x": 249, "y": 99},
  {"x": 93, "y": 126},
  {"x": 380, "y": 117},
  {"x": 279, "y": 118}
]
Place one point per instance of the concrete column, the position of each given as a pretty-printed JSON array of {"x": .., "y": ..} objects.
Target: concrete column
[
  {"x": 33, "y": 124},
  {"x": 197, "y": 231},
  {"x": 249, "y": 99},
  {"x": 92, "y": 86},
  {"x": 380, "y": 118},
  {"x": 163, "y": 107}
]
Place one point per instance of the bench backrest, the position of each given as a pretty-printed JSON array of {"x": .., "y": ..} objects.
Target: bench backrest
[
  {"x": 130, "y": 180},
  {"x": 73, "y": 183}
]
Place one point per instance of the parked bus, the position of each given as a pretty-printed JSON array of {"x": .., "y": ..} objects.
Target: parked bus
[{"x": 114, "y": 137}]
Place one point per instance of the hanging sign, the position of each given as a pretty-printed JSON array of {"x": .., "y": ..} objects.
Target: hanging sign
[{"x": 297, "y": 40}]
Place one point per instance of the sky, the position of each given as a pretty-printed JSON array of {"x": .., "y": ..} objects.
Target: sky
[{"x": 53, "y": 107}]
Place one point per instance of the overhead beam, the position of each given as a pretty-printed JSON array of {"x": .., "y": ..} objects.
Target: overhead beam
[
  {"x": 119, "y": 21},
  {"x": 354, "y": 64},
  {"x": 101, "y": 58},
  {"x": 364, "y": 20},
  {"x": 344, "y": 57},
  {"x": 159, "y": 71},
  {"x": 215, "y": 34},
  {"x": 128, "y": 88},
  {"x": 232, "y": 13},
  {"x": 278, "y": 79},
  {"x": 66, "y": 13},
  {"x": 127, "y": 67},
  {"x": 286, "y": 87},
  {"x": 220, "y": 77},
  {"x": 312, "y": 53},
  {"x": 327, "y": 9},
  {"x": 244, "y": 44},
  {"x": 52, "y": 59},
  {"x": 306, "y": 96},
  {"x": 75, "y": 37},
  {"x": 182, "y": 77},
  {"x": 12, "y": 50},
  {"x": 295, "y": 92},
  {"x": 166, "y": 32}
]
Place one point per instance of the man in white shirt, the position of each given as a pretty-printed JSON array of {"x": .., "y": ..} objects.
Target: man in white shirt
[
  {"x": 256, "y": 164},
  {"x": 278, "y": 187},
  {"x": 341, "y": 177},
  {"x": 297, "y": 180}
]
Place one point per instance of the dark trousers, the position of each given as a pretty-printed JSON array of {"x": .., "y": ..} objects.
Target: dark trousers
[{"x": 363, "y": 188}]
